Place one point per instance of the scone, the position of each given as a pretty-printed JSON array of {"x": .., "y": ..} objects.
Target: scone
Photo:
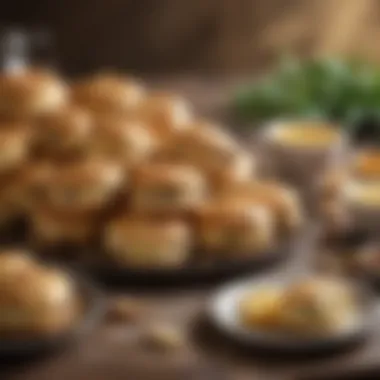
[
  {"x": 318, "y": 306},
  {"x": 64, "y": 133},
  {"x": 27, "y": 187},
  {"x": 14, "y": 263},
  {"x": 15, "y": 142},
  {"x": 46, "y": 306},
  {"x": 241, "y": 169},
  {"x": 167, "y": 189},
  {"x": 301, "y": 151},
  {"x": 28, "y": 94},
  {"x": 108, "y": 94},
  {"x": 165, "y": 114},
  {"x": 129, "y": 142},
  {"x": 51, "y": 228},
  {"x": 206, "y": 145},
  {"x": 88, "y": 185},
  {"x": 148, "y": 243},
  {"x": 282, "y": 200},
  {"x": 228, "y": 229}
]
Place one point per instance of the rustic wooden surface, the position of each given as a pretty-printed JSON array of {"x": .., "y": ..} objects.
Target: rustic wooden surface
[{"x": 117, "y": 352}]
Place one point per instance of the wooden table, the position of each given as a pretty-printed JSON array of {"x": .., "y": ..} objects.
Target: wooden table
[{"x": 116, "y": 351}]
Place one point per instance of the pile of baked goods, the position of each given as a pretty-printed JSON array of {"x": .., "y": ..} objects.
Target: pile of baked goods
[
  {"x": 106, "y": 162},
  {"x": 310, "y": 307},
  {"x": 46, "y": 306}
]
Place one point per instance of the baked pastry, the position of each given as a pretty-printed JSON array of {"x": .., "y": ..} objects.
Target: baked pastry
[
  {"x": 144, "y": 243},
  {"x": 165, "y": 114},
  {"x": 206, "y": 145},
  {"x": 46, "y": 306},
  {"x": 121, "y": 139},
  {"x": 167, "y": 188},
  {"x": 27, "y": 187},
  {"x": 235, "y": 228},
  {"x": 52, "y": 228},
  {"x": 311, "y": 307},
  {"x": 27, "y": 94},
  {"x": 64, "y": 133},
  {"x": 87, "y": 185},
  {"x": 213, "y": 151},
  {"x": 318, "y": 306},
  {"x": 14, "y": 263},
  {"x": 240, "y": 169},
  {"x": 301, "y": 151},
  {"x": 108, "y": 93},
  {"x": 15, "y": 142},
  {"x": 282, "y": 200}
]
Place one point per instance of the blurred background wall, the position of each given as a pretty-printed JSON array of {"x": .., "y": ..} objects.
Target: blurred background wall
[{"x": 212, "y": 36}]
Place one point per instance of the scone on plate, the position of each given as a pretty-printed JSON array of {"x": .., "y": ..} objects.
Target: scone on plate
[
  {"x": 282, "y": 200},
  {"x": 317, "y": 306},
  {"x": 51, "y": 228},
  {"x": 118, "y": 138},
  {"x": 87, "y": 185},
  {"x": 63, "y": 133},
  {"x": 28, "y": 94},
  {"x": 137, "y": 242},
  {"x": 167, "y": 189},
  {"x": 108, "y": 94},
  {"x": 228, "y": 229},
  {"x": 213, "y": 151}
]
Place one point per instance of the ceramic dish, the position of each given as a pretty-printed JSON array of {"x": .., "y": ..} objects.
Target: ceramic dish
[{"x": 223, "y": 311}]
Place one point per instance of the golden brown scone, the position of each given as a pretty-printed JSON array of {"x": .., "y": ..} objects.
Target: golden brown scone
[
  {"x": 50, "y": 227},
  {"x": 282, "y": 200},
  {"x": 165, "y": 114},
  {"x": 167, "y": 188},
  {"x": 15, "y": 141},
  {"x": 143, "y": 242},
  {"x": 27, "y": 188},
  {"x": 65, "y": 132},
  {"x": 47, "y": 305},
  {"x": 30, "y": 93},
  {"x": 129, "y": 142},
  {"x": 206, "y": 144},
  {"x": 240, "y": 169},
  {"x": 14, "y": 263},
  {"x": 91, "y": 184},
  {"x": 318, "y": 305},
  {"x": 108, "y": 93},
  {"x": 233, "y": 228}
]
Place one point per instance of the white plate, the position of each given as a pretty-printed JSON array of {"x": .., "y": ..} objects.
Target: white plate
[{"x": 224, "y": 309}]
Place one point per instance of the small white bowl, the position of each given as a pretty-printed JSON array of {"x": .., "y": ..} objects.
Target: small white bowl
[{"x": 301, "y": 163}]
